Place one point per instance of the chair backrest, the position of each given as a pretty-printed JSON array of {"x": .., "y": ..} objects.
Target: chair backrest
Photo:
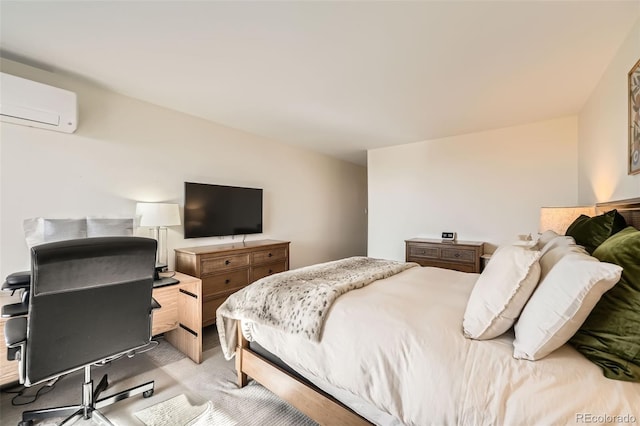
[{"x": 90, "y": 300}]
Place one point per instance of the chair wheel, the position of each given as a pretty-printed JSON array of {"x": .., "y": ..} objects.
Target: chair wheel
[
  {"x": 26, "y": 423},
  {"x": 147, "y": 394}
]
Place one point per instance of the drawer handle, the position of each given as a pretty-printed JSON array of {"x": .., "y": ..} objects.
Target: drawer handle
[
  {"x": 457, "y": 255},
  {"x": 270, "y": 254},
  {"x": 227, "y": 281},
  {"x": 423, "y": 252},
  {"x": 227, "y": 262}
]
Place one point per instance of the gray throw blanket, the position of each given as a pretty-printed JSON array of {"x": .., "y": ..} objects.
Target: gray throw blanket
[{"x": 297, "y": 301}]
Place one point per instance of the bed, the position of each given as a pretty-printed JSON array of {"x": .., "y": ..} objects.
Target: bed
[{"x": 393, "y": 352}]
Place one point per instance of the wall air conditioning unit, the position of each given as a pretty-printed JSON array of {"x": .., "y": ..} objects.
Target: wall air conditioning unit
[{"x": 35, "y": 104}]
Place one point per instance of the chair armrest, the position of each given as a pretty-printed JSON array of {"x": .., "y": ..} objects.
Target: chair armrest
[
  {"x": 17, "y": 281},
  {"x": 15, "y": 310},
  {"x": 15, "y": 335}
]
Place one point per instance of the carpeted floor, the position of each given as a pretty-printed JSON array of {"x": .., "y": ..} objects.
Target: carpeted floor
[{"x": 174, "y": 374}]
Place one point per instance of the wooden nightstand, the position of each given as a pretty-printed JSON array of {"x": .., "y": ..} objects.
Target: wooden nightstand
[
  {"x": 459, "y": 255},
  {"x": 484, "y": 260}
]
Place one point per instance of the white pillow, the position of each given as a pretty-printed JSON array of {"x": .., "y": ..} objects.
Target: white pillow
[
  {"x": 560, "y": 240},
  {"x": 550, "y": 258},
  {"x": 501, "y": 292},
  {"x": 561, "y": 303},
  {"x": 545, "y": 237}
]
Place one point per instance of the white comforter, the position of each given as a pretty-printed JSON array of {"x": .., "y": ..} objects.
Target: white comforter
[{"x": 397, "y": 344}]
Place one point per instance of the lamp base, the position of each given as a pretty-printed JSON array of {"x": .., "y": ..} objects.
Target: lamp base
[
  {"x": 159, "y": 281},
  {"x": 159, "y": 268}
]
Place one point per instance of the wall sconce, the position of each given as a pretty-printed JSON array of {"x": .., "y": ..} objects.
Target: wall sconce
[{"x": 558, "y": 219}]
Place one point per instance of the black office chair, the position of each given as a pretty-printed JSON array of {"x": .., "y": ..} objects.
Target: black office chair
[{"x": 90, "y": 301}]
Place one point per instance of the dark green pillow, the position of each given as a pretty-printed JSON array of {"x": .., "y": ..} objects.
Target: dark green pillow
[
  {"x": 610, "y": 336},
  {"x": 590, "y": 232}
]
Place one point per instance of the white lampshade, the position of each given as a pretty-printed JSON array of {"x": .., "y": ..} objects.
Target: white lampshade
[
  {"x": 558, "y": 219},
  {"x": 158, "y": 214}
]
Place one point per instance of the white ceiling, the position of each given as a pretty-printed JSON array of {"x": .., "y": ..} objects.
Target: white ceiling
[{"x": 336, "y": 77}]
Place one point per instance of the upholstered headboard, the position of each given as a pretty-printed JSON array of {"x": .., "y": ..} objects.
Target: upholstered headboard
[
  {"x": 40, "y": 230},
  {"x": 629, "y": 208}
]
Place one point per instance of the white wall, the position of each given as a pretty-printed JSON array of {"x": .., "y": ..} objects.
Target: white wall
[
  {"x": 603, "y": 132},
  {"x": 126, "y": 150},
  {"x": 486, "y": 186}
]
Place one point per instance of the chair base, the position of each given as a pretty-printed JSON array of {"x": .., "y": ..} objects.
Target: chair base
[{"x": 90, "y": 406}]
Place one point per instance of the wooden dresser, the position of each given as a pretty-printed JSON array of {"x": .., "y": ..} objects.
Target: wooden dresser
[
  {"x": 226, "y": 268},
  {"x": 459, "y": 255}
]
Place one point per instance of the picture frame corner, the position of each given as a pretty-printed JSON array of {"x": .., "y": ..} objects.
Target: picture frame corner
[{"x": 634, "y": 119}]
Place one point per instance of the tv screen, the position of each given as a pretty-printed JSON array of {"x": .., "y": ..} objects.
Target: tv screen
[{"x": 217, "y": 210}]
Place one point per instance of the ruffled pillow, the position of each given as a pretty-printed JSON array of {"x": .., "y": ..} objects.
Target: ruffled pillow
[{"x": 501, "y": 292}]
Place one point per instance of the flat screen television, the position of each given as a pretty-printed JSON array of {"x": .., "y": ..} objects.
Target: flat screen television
[{"x": 218, "y": 210}]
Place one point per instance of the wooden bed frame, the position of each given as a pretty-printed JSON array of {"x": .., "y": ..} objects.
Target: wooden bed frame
[
  {"x": 316, "y": 404},
  {"x": 630, "y": 209},
  {"x": 321, "y": 407}
]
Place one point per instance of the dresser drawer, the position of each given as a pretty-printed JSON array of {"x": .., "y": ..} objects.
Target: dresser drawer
[
  {"x": 269, "y": 269},
  {"x": 209, "y": 308},
  {"x": 228, "y": 281},
  {"x": 268, "y": 255},
  {"x": 219, "y": 264},
  {"x": 458, "y": 255}
]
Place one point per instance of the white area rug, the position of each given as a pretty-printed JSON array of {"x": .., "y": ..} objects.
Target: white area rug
[{"x": 178, "y": 411}]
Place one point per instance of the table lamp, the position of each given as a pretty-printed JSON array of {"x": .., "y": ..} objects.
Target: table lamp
[
  {"x": 558, "y": 219},
  {"x": 158, "y": 216}
]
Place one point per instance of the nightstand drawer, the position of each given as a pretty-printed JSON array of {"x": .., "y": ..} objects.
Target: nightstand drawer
[
  {"x": 424, "y": 251},
  {"x": 458, "y": 255},
  {"x": 165, "y": 318},
  {"x": 218, "y": 264}
]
